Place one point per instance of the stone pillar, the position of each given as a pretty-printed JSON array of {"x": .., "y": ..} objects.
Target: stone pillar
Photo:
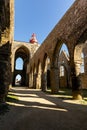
[
  {"x": 44, "y": 81},
  {"x": 27, "y": 80},
  {"x": 38, "y": 81},
  {"x": 85, "y": 64},
  {"x": 30, "y": 79},
  {"x": 76, "y": 83},
  {"x": 5, "y": 49},
  {"x": 54, "y": 79},
  {"x": 77, "y": 67},
  {"x": 5, "y": 79},
  {"x": 34, "y": 80},
  {"x": 5, "y": 67}
]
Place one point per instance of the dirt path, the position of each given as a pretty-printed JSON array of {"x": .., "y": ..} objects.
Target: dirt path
[{"x": 36, "y": 110}]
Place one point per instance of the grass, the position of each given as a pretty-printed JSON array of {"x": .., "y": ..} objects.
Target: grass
[
  {"x": 65, "y": 93},
  {"x": 11, "y": 98}
]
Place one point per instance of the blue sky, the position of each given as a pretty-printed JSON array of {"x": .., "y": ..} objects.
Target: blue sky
[{"x": 38, "y": 16}]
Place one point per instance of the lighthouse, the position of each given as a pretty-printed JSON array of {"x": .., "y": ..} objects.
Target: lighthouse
[{"x": 33, "y": 39}]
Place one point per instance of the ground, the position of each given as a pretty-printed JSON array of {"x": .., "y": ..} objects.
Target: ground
[{"x": 34, "y": 110}]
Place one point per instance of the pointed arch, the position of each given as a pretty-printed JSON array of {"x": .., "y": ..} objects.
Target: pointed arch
[{"x": 22, "y": 54}]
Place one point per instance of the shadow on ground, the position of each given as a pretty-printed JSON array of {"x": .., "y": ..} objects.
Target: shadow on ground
[
  {"x": 35, "y": 110},
  {"x": 4, "y": 108}
]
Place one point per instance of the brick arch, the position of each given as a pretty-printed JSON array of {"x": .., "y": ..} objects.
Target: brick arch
[
  {"x": 19, "y": 49},
  {"x": 78, "y": 50},
  {"x": 57, "y": 49},
  {"x": 23, "y": 49},
  {"x": 23, "y": 52},
  {"x": 54, "y": 66}
]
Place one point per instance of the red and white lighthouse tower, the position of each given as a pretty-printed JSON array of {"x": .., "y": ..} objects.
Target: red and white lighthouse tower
[{"x": 33, "y": 39}]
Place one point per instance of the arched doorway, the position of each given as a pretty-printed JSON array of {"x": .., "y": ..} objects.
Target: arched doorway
[
  {"x": 63, "y": 78},
  {"x": 64, "y": 68},
  {"x": 21, "y": 62},
  {"x": 59, "y": 57},
  {"x": 18, "y": 80}
]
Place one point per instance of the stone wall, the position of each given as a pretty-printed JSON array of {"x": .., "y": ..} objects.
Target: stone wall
[
  {"x": 71, "y": 30},
  {"x": 5, "y": 49},
  {"x": 83, "y": 80},
  {"x": 26, "y": 50}
]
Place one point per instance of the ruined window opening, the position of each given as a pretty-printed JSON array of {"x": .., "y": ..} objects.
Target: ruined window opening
[
  {"x": 61, "y": 71},
  {"x": 65, "y": 49},
  {"x": 82, "y": 64},
  {"x": 19, "y": 64},
  {"x": 18, "y": 80},
  {"x": 48, "y": 63}
]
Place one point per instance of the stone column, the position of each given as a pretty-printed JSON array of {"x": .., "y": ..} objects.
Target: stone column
[
  {"x": 27, "y": 79},
  {"x": 38, "y": 81},
  {"x": 34, "y": 80},
  {"x": 30, "y": 79},
  {"x": 85, "y": 64},
  {"x": 54, "y": 79},
  {"x": 5, "y": 49},
  {"x": 76, "y": 83},
  {"x": 77, "y": 67},
  {"x": 44, "y": 81},
  {"x": 5, "y": 79}
]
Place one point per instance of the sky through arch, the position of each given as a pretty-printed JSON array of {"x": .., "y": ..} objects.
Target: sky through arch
[
  {"x": 64, "y": 48},
  {"x": 19, "y": 63}
]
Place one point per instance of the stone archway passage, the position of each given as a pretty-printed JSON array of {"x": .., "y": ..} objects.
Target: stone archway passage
[{"x": 23, "y": 54}]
